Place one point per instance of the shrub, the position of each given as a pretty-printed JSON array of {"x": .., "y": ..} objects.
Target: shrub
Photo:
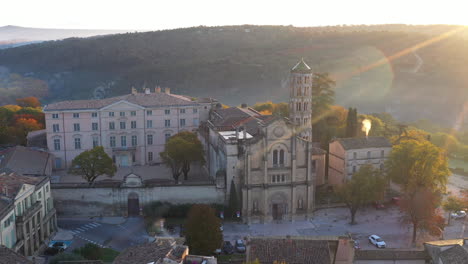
[{"x": 65, "y": 257}]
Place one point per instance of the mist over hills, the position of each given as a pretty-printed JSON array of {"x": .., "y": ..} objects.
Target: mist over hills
[{"x": 377, "y": 68}]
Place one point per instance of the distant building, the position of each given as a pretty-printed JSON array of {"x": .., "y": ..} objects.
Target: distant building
[
  {"x": 310, "y": 250},
  {"x": 132, "y": 128},
  {"x": 347, "y": 155},
  {"x": 27, "y": 161},
  {"x": 37, "y": 139},
  {"x": 27, "y": 214},
  {"x": 270, "y": 159}
]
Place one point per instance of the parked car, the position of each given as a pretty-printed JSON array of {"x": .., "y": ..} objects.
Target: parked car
[
  {"x": 357, "y": 245},
  {"x": 240, "y": 246},
  {"x": 458, "y": 214},
  {"x": 228, "y": 248},
  {"x": 55, "y": 247},
  {"x": 377, "y": 241},
  {"x": 379, "y": 205},
  {"x": 396, "y": 200}
]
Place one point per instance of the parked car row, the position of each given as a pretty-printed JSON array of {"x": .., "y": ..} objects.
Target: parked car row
[
  {"x": 458, "y": 215},
  {"x": 228, "y": 248}
]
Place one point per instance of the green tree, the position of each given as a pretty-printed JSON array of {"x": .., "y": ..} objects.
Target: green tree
[
  {"x": 365, "y": 186},
  {"x": 351, "y": 123},
  {"x": 418, "y": 164},
  {"x": 91, "y": 164},
  {"x": 446, "y": 141},
  {"x": 90, "y": 251},
  {"x": 452, "y": 204},
  {"x": 323, "y": 97},
  {"x": 233, "y": 200},
  {"x": 180, "y": 151},
  {"x": 203, "y": 230},
  {"x": 193, "y": 151}
]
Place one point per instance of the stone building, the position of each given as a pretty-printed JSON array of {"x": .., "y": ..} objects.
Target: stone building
[
  {"x": 300, "y": 98},
  {"x": 27, "y": 214},
  {"x": 132, "y": 128},
  {"x": 269, "y": 159},
  {"x": 347, "y": 155}
]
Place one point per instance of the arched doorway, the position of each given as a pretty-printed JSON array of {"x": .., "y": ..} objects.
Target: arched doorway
[
  {"x": 279, "y": 205},
  {"x": 133, "y": 204}
]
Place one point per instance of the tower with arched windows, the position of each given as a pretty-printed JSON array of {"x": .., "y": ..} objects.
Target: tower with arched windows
[{"x": 300, "y": 99}]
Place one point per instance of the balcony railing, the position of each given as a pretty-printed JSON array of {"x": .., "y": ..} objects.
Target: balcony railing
[{"x": 124, "y": 148}]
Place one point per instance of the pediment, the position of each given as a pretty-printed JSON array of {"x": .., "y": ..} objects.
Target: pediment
[
  {"x": 132, "y": 180},
  {"x": 122, "y": 106}
]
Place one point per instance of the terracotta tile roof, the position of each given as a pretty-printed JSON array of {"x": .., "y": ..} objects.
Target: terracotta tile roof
[
  {"x": 150, "y": 252},
  {"x": 391, "y": 254},
  {"x": 141, "y": 99},
  {"x": 360, "y": 143},
  {"x": 8, "y": 256},
  {"x": 455, "y": 255},
  {"x": 290, "y": 250},
  {"x": 25, "y": 161},
  {"x": 11, "y": 182}
]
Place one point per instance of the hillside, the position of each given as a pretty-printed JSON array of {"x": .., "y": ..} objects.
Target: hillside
[
  {"x": 14, "y": 36},
  {"x": 250, "y": 63}
]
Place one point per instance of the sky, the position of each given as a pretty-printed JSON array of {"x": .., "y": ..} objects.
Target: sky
[{"x": 168, "y": 14}]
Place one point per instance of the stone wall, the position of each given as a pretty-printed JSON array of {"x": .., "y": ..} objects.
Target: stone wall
[{"x": 112, "y": 201}]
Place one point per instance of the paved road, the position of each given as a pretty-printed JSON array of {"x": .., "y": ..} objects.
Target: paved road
[{"x": 118, "y": 236}]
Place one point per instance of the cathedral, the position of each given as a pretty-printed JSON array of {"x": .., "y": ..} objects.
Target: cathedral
[{"x": 270, "y": 160}]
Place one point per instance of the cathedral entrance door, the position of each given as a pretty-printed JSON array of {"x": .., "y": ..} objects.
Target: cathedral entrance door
[
  {"x": 277, "y": 212},
  {"x": 133, "y": 205}
]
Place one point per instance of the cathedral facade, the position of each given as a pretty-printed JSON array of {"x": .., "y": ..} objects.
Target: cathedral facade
[{"x": 270, "y": 159}]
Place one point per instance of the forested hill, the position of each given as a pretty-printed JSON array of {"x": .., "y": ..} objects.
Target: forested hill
[{"x": 239, "y": 64}]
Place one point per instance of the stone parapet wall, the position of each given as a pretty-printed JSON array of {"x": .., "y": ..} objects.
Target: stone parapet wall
[{"x": 112, "y": 201}]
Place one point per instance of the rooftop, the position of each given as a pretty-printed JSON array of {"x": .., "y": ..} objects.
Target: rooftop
[
  {"x": 301, "y": 67},
  {"x": 362, "y": 143},
  {"x": 156, "y": 99},
  {"x": 11, "y": 182},
  {"x": 454, "y": 255},
  {"x": 25, "y": 161},
  {"x": 150, "y": 252},
  {"x": 292, "y": 250},
  {"x": 8, "y": 256}
]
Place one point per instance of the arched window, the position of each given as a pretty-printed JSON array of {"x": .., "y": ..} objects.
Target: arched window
[
  {"x": 275, "y": 157},
  {"x": 281, "y": 157}
]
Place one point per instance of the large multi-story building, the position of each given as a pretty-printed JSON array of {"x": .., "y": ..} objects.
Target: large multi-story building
[
  {"x": 27, "y": 214},
  {"x": 270, "y": 159},
  {"x": 347, "y": 155},
  {"x": 132, "y": 128}
]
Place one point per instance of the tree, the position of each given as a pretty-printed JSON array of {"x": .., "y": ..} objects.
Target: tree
[
  {"x": 23, "y": 126},
  {"x": 93, "y": 163},
  {"x": 418, "y": 164},
  {"x": 203, "y": 230},
  {"x": 365, "y": 186},
  {"x": 351, "y": 123},
  {"x": 419, "y": 210},
  {"x": 452, "y": 204},
  {"x": 233, "y": 200},
  {"x": 30, "y": 101},
  {"x": 61, "y": 257},
  {"x": 323, "y": 97},
  {"x": 180, "y": 151},
  {"x": 446, "y": 141},
  {"x": 193, "y": 151}
]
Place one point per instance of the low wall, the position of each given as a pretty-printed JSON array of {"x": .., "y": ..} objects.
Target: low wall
[{"x": 112, "y": 201}]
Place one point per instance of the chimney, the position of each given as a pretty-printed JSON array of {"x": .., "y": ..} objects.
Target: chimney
[
  {"x": 5, "y": 191},
  {"x": 157, "y": 89},
  {"x": 243, "y": 105},
  {"x": 167, "y": 90},
  {"x": 134, "y": 91},
  {"x": 147, "y": 91}
]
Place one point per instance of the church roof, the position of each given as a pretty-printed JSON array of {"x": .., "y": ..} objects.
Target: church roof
[{"x": 301, "y": 67}]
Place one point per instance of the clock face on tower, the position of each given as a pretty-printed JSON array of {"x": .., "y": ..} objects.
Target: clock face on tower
[{"x": 278, "y": 131}]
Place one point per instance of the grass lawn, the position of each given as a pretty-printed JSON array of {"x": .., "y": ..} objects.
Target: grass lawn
[
  {"x": 457, "y": 163},
  {"x": 109, "y": 255}
]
